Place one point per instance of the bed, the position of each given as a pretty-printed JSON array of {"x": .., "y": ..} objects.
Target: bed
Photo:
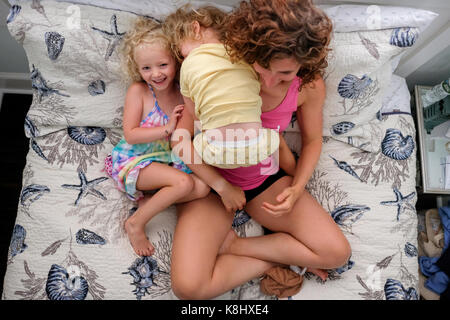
[{"x": 68, "y": 240}]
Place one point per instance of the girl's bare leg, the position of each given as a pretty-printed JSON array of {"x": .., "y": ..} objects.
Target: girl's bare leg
[
  {"x": 307, "y": 236},
  {"x": 200, "y": 190},
  {"x": 174, "y": 185},
  {"x": 197, "y": 270}
]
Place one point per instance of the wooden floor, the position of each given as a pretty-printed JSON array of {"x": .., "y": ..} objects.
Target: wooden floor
[{"x": 13, "y": 150}]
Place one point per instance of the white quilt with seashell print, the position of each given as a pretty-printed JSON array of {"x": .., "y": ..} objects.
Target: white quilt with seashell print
[{"x": 68, "y": 240}]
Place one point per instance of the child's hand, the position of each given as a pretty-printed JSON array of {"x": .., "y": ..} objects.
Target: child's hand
[
  {"x": 233, "y": 198},
  {"x": 173, "y": 119}
]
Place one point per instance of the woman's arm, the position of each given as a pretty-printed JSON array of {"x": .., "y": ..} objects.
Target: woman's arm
[
  {"x": 233, "y": 197},
  {"x": 309, "y": 117},
  {"x": 287, "y": 159},
  {"x": 310, "y": 121},
  {"x": 132, "y": 116}
]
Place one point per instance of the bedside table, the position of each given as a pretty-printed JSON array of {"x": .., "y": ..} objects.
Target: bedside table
[{"x": 433, "y": 128}]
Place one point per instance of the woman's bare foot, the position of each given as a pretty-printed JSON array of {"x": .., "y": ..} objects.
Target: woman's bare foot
[
  {"x": 138, "y": 239},
  {"x": 229, "y": 239},
  {"x": 321, "y": 273}
]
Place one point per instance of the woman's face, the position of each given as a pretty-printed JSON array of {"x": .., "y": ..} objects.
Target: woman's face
[{"x": 279, "y": 71}]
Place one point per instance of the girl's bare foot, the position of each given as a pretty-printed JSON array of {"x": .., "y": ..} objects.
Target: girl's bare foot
[
  {"x": 229, "y": 239},
  {"x": 321, "y": 273},
  {"x": 138, "y": 239}
]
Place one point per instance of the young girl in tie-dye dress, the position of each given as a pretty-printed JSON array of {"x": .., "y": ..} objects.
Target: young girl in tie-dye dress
[{"x": 142, "y": 160}]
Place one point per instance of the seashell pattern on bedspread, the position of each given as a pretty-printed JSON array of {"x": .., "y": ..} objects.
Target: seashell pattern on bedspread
[{"x": 69, "y": 240}]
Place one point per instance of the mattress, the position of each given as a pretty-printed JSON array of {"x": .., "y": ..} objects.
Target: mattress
[{"x": 68, "y": 240}]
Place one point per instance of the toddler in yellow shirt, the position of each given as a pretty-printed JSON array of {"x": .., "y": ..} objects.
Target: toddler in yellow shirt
[{"x": 223, "y": 95}]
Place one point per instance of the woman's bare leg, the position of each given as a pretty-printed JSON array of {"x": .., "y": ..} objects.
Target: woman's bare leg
[
  {"x": 198, "y": 272},
  {"x": 307, "y": 236}
]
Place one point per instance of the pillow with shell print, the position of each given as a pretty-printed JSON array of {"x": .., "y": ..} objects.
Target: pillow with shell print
[
  {"x": 76, "y": 76},
  {"x": 357, "y": 78},
  {"x": 74, "y": 64}
]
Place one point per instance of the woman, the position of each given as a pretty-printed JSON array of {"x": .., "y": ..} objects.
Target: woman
[{"x": 286, "y": 41}]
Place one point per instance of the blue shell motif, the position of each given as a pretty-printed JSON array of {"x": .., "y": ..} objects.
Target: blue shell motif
[
  {"x": 37, "y": 149},
  {"x": 60, "y": 287},
  {"x": 351, "y": 86},
  {"x": 55, "y": 44},
  {"x": 342, "y": 127},
  {"x": 404, "y": 37},
  {"x": 240, "y": 218},
  {"x": 394, "y": 290},
  {"x": 348, "y": 214},
  {"x": 96, "y": 87},
  {"x": 411, "y": 250},
  {"x": 17, "y": 244},
  {"x": 85, "y": 236},
  {"x": 31, "y": 131},
  {"x": 143, "y": 271},
  {"x": 13, "y": 12},
  {"x": 396, "y": 146},
  {"x": 32, "y": 193},
  {"x": 346, "y": 267},
  {"x": 87, "y": 135},
  {"x": 346, "y": 167}
]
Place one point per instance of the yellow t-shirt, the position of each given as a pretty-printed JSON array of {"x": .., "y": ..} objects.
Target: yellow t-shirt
[{"x": 223, "y": 92}]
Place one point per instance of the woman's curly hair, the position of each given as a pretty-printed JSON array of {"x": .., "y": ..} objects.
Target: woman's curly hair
[
  {"x": 262, "y": 30},
  {"x": 178, "y": 25},
  {"x": 145, "y": 31}
]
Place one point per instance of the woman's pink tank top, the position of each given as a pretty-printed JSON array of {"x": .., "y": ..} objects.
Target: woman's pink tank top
[{"x": 249, "y": 178}]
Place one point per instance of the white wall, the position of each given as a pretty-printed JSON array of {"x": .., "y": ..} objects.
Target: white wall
[{"x": 12, "y": 55}]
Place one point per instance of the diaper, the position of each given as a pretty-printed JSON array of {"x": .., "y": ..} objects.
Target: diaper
[{"x": 235, "y": 154}]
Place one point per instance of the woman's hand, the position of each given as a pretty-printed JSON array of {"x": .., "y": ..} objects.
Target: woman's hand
[
  {"x": 286, "y": 201},
  {"x": 173, "y": 119},
  {"x": 233, "y": 198}
]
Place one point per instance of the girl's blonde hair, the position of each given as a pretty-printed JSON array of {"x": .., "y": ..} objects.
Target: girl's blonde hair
[
  {"x": 178, "y": 25},
  {"x": 145, "y": 31}
]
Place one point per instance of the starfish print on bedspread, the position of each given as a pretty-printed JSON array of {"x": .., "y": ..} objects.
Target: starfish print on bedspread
[
  {"x": 86, "y": 187},
  {"x": 402, "y": 202},
  {"x": 113, "y": 37}
]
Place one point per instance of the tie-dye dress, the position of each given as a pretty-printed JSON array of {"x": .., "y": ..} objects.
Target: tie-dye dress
[{"x": 129, "y": 159}]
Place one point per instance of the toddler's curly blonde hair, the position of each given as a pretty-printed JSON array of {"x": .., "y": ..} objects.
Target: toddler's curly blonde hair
[
  {"x": 178, "y": 25},
  {"x": 145, "y": 31}
]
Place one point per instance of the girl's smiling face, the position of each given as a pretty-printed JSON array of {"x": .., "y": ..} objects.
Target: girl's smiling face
[
  {"x": 156, "y": 65},
  {"x": 279, "y": 71}
]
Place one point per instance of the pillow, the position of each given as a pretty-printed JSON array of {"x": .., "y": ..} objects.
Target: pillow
[
  {"x": 346, "y": 18},
  {"x": 397, "y": 98},
  {"x": 74, "y": 65},
  {"x": 153, "y": 8},
  {"x": 349, "y": 18}
]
